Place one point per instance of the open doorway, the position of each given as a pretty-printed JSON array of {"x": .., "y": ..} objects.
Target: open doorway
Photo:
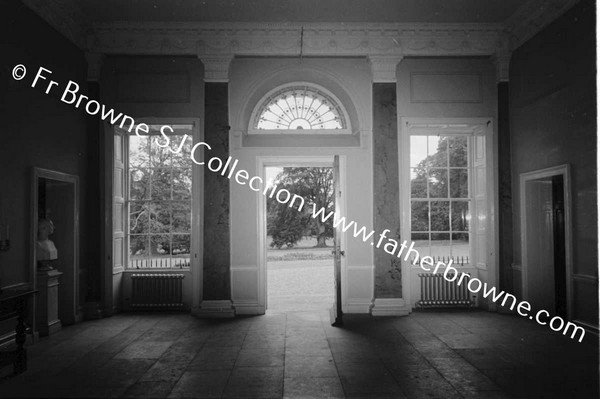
[
  {"x": 300, "y": 263},
  {"x": 546, "y": 240}
]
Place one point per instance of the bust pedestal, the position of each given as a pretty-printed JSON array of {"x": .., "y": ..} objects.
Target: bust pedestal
[{"x": 47, "y": 302}]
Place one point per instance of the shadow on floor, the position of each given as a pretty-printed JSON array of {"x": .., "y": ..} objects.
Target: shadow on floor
[{"x": 299, "y": 355}]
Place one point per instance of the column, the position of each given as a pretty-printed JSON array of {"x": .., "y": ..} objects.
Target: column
[
  {"x": 216, "y": 286},
  {"x": 388, "y": 300},
  {"x": 90, "y": 284},
  {"x": 501, "y": 61}
]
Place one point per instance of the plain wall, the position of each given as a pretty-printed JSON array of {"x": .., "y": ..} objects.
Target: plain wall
[
  {"x": 446, "y": 87},
  {"x": 38, "y": 129},
  {"x": 553, "y": 122}
]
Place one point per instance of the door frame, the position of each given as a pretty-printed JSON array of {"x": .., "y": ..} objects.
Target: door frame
[
  {"x": 292, "y": 161},
  {"x": 560, "y": 170},
  {"x": 71, "y": 278}
]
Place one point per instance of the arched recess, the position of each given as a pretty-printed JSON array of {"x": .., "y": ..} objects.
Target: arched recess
[{"x": 349, "y": 81}]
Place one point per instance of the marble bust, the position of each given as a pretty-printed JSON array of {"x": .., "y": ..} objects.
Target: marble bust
[{"x": 46, "y": 251}]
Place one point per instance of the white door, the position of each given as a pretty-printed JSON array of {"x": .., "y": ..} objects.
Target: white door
[{"x": 336, "y": 310}]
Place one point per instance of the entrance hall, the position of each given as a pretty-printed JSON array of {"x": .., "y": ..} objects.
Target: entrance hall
[{"x": 143, "y": 254}]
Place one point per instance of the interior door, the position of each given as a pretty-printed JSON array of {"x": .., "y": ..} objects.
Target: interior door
[
  {"x": 336, "y": 309},
  {"x": 540, "y": 244},
  {"x": 560, "y": 261}
]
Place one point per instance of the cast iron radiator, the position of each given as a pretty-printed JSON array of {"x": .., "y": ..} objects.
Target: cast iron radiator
[
  {"x": 437, "y": 292},
  {"x": 157, "y": 291}
]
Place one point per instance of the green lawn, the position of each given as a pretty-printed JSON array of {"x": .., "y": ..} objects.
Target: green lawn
[{"x": 303, "y": 250}]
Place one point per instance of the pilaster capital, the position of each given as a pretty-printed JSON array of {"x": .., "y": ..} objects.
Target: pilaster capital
[
  {"x": 501, "y": 58},
  {"x": 383, "y": 67},
  {"x": 216, "y": 67},
  {"x": 95, "y": 62},
  {"x": 501, "y": 62}
]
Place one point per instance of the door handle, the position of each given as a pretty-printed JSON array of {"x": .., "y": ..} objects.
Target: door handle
[{"x": 342, "y": 253}]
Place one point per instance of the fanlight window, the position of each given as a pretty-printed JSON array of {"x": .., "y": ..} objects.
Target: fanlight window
[{"x": 299, "y": 107}]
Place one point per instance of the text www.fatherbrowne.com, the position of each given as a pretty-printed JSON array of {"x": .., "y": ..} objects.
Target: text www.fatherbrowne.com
[
  {"x": 71, "y": 95},
  {"x": 390, "y": 245},
  {"x": 474, "y": 285}
]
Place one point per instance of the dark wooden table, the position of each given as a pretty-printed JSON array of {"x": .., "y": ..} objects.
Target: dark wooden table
[{"x": 13, "y": 303}]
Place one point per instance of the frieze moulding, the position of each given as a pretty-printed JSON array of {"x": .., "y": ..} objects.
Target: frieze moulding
[
  {"x": 218, "y": 42},
  {"x": 319, "y": 39}
]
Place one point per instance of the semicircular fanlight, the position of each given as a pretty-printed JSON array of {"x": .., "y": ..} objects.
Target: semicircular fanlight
[{"x": 299, "y": 108}]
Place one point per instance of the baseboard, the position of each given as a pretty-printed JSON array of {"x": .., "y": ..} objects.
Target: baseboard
[
  {"x": 249, "y": 309},
  {"x": 357, "y": 307},
  {"x": 491, "y": 306},
  {"x": 54, "y": 327},
  {"x": 215, "y": 309},
  {"x": 50, "y": 328},
  {"x": 390, "y": 307}
]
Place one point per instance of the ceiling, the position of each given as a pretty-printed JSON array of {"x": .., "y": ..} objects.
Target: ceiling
[{"x": 435, "y": 11}]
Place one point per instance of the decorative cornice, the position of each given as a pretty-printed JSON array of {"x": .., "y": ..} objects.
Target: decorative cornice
[
  {"x": 320, "y": 39},
  {"x": 283, "y": 39},
  {"x": 384, "y": 68},
  {"x": 533, "y": 16},
  {"x": 64, "y": 16}
]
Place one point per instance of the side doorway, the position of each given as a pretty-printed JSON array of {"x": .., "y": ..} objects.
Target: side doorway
[{"x": 545, "y": 240}]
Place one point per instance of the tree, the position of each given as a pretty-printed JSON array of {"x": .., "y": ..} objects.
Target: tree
[
  {"x": 288, "y": 225},
  {"x": 160, "y": 196},
  {"x": 444, "y": 183}
]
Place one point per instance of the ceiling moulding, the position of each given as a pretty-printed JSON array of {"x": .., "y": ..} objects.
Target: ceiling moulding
[
  {"x": 533, "y": 16},
  {"x": 339, "y": 39},
  {"x": 319, "y": 39},
  {"x": 64, "y": 16}
]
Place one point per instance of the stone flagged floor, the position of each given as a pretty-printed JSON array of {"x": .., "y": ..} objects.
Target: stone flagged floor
[
  {"x": 300, "y": 285},
  {"x": 299, "y": 355}
]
